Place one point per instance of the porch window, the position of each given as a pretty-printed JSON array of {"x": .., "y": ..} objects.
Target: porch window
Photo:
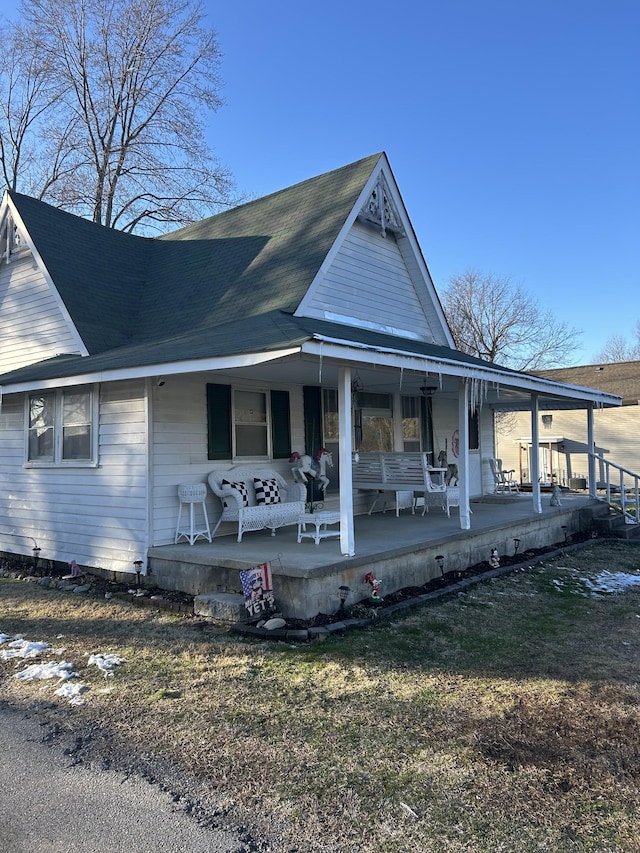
[
  {"x": 247, "y": 424},
  {"x": 474, "y": 431},
  {"x": 250, "y": 423},
  {"x": 410, "y": 424},
  {"x": 376, "y": 412},
  {"x": 330, "y": 425},
  {"x": 61, "y": 427}
]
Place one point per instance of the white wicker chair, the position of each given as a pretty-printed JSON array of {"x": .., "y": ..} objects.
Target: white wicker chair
[
  {"x": 256, "y": 516},
  {"x": 504, "y": 482}
]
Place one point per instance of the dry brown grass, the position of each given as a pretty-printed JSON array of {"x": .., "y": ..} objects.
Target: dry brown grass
[{"x": 506, "y": 718}]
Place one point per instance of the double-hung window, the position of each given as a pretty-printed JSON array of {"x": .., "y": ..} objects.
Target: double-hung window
[
  {"x": 247, "y": 424},
  {"x": 250, "y": 423},
  {"x": 61, "y": 427}
]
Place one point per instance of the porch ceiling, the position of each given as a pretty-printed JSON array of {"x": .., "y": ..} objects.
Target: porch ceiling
[{"x": 303, "y": 369}]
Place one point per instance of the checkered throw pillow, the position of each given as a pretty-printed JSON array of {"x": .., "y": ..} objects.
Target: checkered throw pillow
[
  {"x": 240, "y": 488},
  {"x": 267, "y": 491}
]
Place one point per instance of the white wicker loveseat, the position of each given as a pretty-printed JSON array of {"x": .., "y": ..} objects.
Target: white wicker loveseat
[{"x": 257, "y": 498}]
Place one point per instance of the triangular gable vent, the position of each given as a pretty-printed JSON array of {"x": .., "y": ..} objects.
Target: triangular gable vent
[{"x": 380, "y": 210}]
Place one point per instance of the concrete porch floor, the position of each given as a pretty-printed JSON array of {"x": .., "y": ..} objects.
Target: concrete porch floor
[{"x": 400, "y": 551}]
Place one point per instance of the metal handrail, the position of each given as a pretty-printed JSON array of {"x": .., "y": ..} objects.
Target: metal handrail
[{"x": 629, "y": 496}]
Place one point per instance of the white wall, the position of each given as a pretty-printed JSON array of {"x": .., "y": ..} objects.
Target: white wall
[
  {"x": 616, "y": 430},
  {"x": 369, "y": 281},
  {"x": 97, "y": 515},
  {"x": 33, "y": 326},
  {"x": 179, "y": 444},
  {"x": 445, "y": 422}
]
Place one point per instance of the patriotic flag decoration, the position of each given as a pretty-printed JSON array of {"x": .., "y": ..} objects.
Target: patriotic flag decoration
[{"x": 257, "y": 589}]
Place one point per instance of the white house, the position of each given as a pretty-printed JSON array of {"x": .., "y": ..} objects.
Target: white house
[
  {"x": 563, "y": 438},
  {"x": 302, "y": 320}
]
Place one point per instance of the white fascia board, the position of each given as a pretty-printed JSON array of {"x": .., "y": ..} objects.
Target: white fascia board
[
  {"x": 391, "y": 357},
  {"x": 383, "y": 166},
  {"x": 174, "y": 368},
  {"x": 411, "y": 237},
  {"x": 82, "y": 350}
]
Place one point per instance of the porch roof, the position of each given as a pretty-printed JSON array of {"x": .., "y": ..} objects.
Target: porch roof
[
  {"x": 301, "y": 350},
  {"x": 561, "y": 444}
]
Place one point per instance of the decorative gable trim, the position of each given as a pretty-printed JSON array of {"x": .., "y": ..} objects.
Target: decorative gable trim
[
  {"x": 380, "y": 209},
  {"x": 12, "y": 241}
]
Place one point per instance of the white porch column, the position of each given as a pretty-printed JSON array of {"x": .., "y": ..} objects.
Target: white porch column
[
  {"x": 591, "y": 444},
  {"x": 463, "y": 458},
  {"x": 347, "y": 539},
  {"x": 535, "y": 454}
]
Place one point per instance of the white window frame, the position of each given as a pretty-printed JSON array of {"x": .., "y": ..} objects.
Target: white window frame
[
  {"x": 58, "y": 395},
  {"x": 235, "y": 390}
]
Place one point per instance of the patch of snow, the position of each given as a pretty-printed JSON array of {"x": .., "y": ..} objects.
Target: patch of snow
[
  {"x": 105, "y": 663},
  {"x": 18, "y": 647},
  {"x": 62, "y": 670},
  {"x": 603, "y": 584},
  {"x": 611, "y": 583},
  {"x": 71, "y": 691},
  {"x": 23, "y": 649}
]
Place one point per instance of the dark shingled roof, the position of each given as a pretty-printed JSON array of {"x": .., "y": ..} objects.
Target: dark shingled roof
[
  {"x": 267, "y": 332},
  {"x": 621, "y": 378},
  {"x": 123, "y": 290},
  {"x": 98, "y": 272}
]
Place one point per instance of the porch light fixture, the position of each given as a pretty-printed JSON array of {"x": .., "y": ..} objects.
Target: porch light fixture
[
  {"x": 343, "y": 594},
  {"x": 516, "y": 545},
  {"x": 138, "y": 567},
  {"x": 440, "y": 563},
  {"x": 428, "y": 390}
]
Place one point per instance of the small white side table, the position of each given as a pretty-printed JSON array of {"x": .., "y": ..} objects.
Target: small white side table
[
  {"x": 190, "y": 494},
  {"x": 319, "y": 520}
]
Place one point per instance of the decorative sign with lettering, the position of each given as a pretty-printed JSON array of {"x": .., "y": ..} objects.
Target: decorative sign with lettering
[{"x": 257, "y": 589}]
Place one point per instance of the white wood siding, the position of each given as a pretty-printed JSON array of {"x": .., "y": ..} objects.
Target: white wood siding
[
  {"x": 97, "y": 516},
  {"x": 616, "y": 430},
  {"x": 486, "y": 426},
  {"x": 32, "y": 326},
  {"x": 369, "y": 281},
  {"x": 414, "y": 269},
  {"x": 445, "y": 422},
  {"x": 179, "y": 443}
]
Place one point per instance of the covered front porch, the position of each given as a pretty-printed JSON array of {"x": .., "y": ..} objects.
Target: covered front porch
[{"x": 400, "y": 551}]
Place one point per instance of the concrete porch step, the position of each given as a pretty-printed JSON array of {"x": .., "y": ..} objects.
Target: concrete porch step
[{"x": 226, "y": 606}]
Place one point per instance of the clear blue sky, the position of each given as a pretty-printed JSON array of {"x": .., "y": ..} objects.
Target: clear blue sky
[{"x": 512, "y": 127}]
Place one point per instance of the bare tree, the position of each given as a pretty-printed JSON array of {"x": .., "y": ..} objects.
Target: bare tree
[
  {"x": 118, "y": 116},
  {"x": 492, "y": 318},
  {"x": 27, "y": 92},
  {"x": 617, "y": 348}
]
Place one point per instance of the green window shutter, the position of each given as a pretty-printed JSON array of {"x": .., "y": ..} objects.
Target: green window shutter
[
  {"x": 312, "y": 419},
  {"x": 280, "y": 425},
  {"x": 426, "y": 424},
  {"x": 219, "y": 421}
]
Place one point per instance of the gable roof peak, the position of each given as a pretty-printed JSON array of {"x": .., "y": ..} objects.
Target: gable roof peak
[{"x": 359, "y": 170}]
